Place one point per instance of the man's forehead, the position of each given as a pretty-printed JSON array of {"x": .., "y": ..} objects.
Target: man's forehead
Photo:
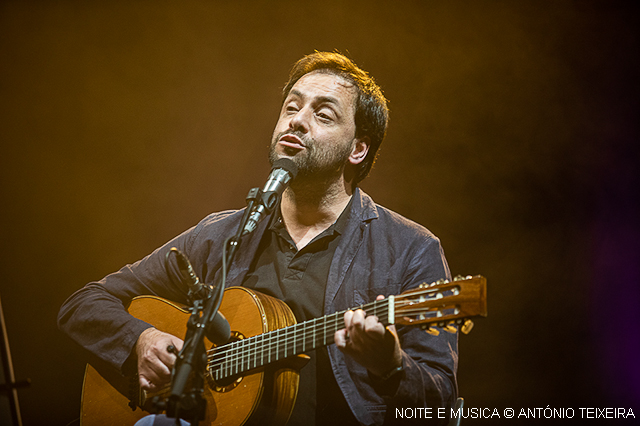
[{"x": 327, "y": 82}]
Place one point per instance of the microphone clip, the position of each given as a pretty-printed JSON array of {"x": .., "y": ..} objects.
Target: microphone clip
[{"x": 265, "y": 200}]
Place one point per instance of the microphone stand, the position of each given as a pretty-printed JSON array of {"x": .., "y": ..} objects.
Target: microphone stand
[{"x": 190, "y": 404}]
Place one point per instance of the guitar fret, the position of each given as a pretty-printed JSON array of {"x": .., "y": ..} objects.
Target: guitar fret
[
  {"x": 235, "y": 355},
  {"x": 246, "y": 357},
  {"x": 234, "y": 359},
  {"x": 293, "y": 348},
  {"x": 240, "y": 358},
  {"x": 315, "y": 336},
  {"x": 324, "y": 331},
  {"x": 226, "y": 362},
  {"x": 255, "y": 353}
]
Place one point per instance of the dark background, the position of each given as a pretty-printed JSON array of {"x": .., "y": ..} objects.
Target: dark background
[{"x": 513, "y": 137}]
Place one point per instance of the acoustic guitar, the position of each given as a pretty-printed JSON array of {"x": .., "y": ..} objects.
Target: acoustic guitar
[{"x": 254, "y": 377}]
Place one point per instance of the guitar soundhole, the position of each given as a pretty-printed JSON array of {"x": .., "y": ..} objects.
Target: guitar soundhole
[{"x": 229, "y": 383}]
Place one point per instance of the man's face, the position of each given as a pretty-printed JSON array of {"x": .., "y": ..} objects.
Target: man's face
[{"x": 316, "y": 128}]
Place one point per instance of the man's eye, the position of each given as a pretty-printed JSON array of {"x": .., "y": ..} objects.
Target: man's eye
[{"x": 323, "y": 116}]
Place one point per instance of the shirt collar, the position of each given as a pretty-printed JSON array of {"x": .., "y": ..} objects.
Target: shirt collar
[{"x": 338, "y": 226}]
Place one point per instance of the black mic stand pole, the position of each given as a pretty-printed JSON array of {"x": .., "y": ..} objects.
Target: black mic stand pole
[{"x": 193, "y": 356}]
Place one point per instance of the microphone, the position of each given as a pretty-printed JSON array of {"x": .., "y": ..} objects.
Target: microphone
[
  {"x": 188, "y": 276},
  {"x": 218, "y": 330},
  {"x": 282, "y": 172}
]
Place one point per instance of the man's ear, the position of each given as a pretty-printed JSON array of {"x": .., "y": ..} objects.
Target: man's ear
[{"x": 360, "y": 150}]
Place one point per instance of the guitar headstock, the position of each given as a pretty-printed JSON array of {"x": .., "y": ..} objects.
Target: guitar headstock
[{"x": 443, "y": 303}]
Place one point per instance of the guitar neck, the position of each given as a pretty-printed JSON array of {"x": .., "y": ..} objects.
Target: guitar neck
[
  {"x": 442, "y": 302},
  {"x": 237, "y": 357}
]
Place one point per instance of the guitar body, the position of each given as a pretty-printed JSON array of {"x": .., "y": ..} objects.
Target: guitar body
[{"x": 266, "y": 395}]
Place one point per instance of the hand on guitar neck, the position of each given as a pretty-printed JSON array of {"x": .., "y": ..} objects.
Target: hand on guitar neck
[
  {"x": 154, "y": 359},
  {"x": 369, "y": 342}
]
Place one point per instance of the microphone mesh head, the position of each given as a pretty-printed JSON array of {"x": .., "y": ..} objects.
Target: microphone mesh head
[{"x": 286, "y": 164}]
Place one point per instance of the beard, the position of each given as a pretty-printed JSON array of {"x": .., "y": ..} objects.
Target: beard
[{"x": 320, "y": 164}]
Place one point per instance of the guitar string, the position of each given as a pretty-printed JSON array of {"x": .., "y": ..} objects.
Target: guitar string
[
  {"x": 313, "y": 323},
  {"x": 281, "y": 340},
  {"x": 292, "y": 333},
  {"x": 307, "y": 327},
  {"x": 278, "y": 345},
  {"x": 308, "y": 330},
  {"x": 284, "y": 335},
  {"x": 231, "y": 358},
  {"x": 235, "y": 355}
]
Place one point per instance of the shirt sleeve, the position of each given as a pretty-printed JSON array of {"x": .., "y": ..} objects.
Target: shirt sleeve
[
  {"x": 95, "y": 316},
  {"x": 430, "y": 362}
]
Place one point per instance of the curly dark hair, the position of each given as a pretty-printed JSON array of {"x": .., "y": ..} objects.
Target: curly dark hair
[{"x": 371, "y": 112}]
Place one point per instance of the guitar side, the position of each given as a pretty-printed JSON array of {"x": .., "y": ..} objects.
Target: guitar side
[{"x": 267, "y": 394}]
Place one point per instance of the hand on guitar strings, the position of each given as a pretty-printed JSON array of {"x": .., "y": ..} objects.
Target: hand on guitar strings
[
  {"x": 370, "y": 343},
  {"x": 155, "y": 361}
]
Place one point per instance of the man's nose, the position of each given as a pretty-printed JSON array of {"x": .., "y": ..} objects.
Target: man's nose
[{"x": 300, "y": 121}]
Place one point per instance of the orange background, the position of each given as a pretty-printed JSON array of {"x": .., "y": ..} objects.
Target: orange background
[{"x": 513, "y": 137}]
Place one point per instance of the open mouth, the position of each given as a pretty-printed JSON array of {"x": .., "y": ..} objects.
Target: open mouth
[{"x": 291, "y": 141}]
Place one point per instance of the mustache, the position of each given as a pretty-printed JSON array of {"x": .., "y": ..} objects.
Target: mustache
[{"x": 308, "y": 142}]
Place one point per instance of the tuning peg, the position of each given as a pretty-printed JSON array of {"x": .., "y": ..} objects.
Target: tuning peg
[
  {"x": 450, "y": 329},
  {"x": 432, "y": 331},
  {"x": 462, "y": 278},
  {"x": 467, "y": 326}
]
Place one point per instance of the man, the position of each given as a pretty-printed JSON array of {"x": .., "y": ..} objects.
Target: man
[{"x": 327, "y": 248}]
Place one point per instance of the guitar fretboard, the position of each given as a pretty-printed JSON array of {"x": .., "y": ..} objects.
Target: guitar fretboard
[{"x": 237, "y": 357}]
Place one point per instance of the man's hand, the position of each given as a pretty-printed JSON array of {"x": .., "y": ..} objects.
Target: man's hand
[
  {"x": 367, "y": 341},
  {"x": 154, "y": 359}
]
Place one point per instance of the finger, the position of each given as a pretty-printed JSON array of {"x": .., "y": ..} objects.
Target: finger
[
  {"x": 357, "y": 321},
  {"x": 355, "y": 332},
  {"x": 145, "y": 383},
  {"x": 154, "y": 368},
  {"x": 160, "y": 370},
  {"x": 177, "y": 343},
  {"x": 347, "y": 318},
  {"x": 380, "y": 297},
  {"x": 373, "y": 327},
  {"x": 167, "y": 357},
  {"x": 150, "y": 380},
  {"x": 340, "y": 338}
]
